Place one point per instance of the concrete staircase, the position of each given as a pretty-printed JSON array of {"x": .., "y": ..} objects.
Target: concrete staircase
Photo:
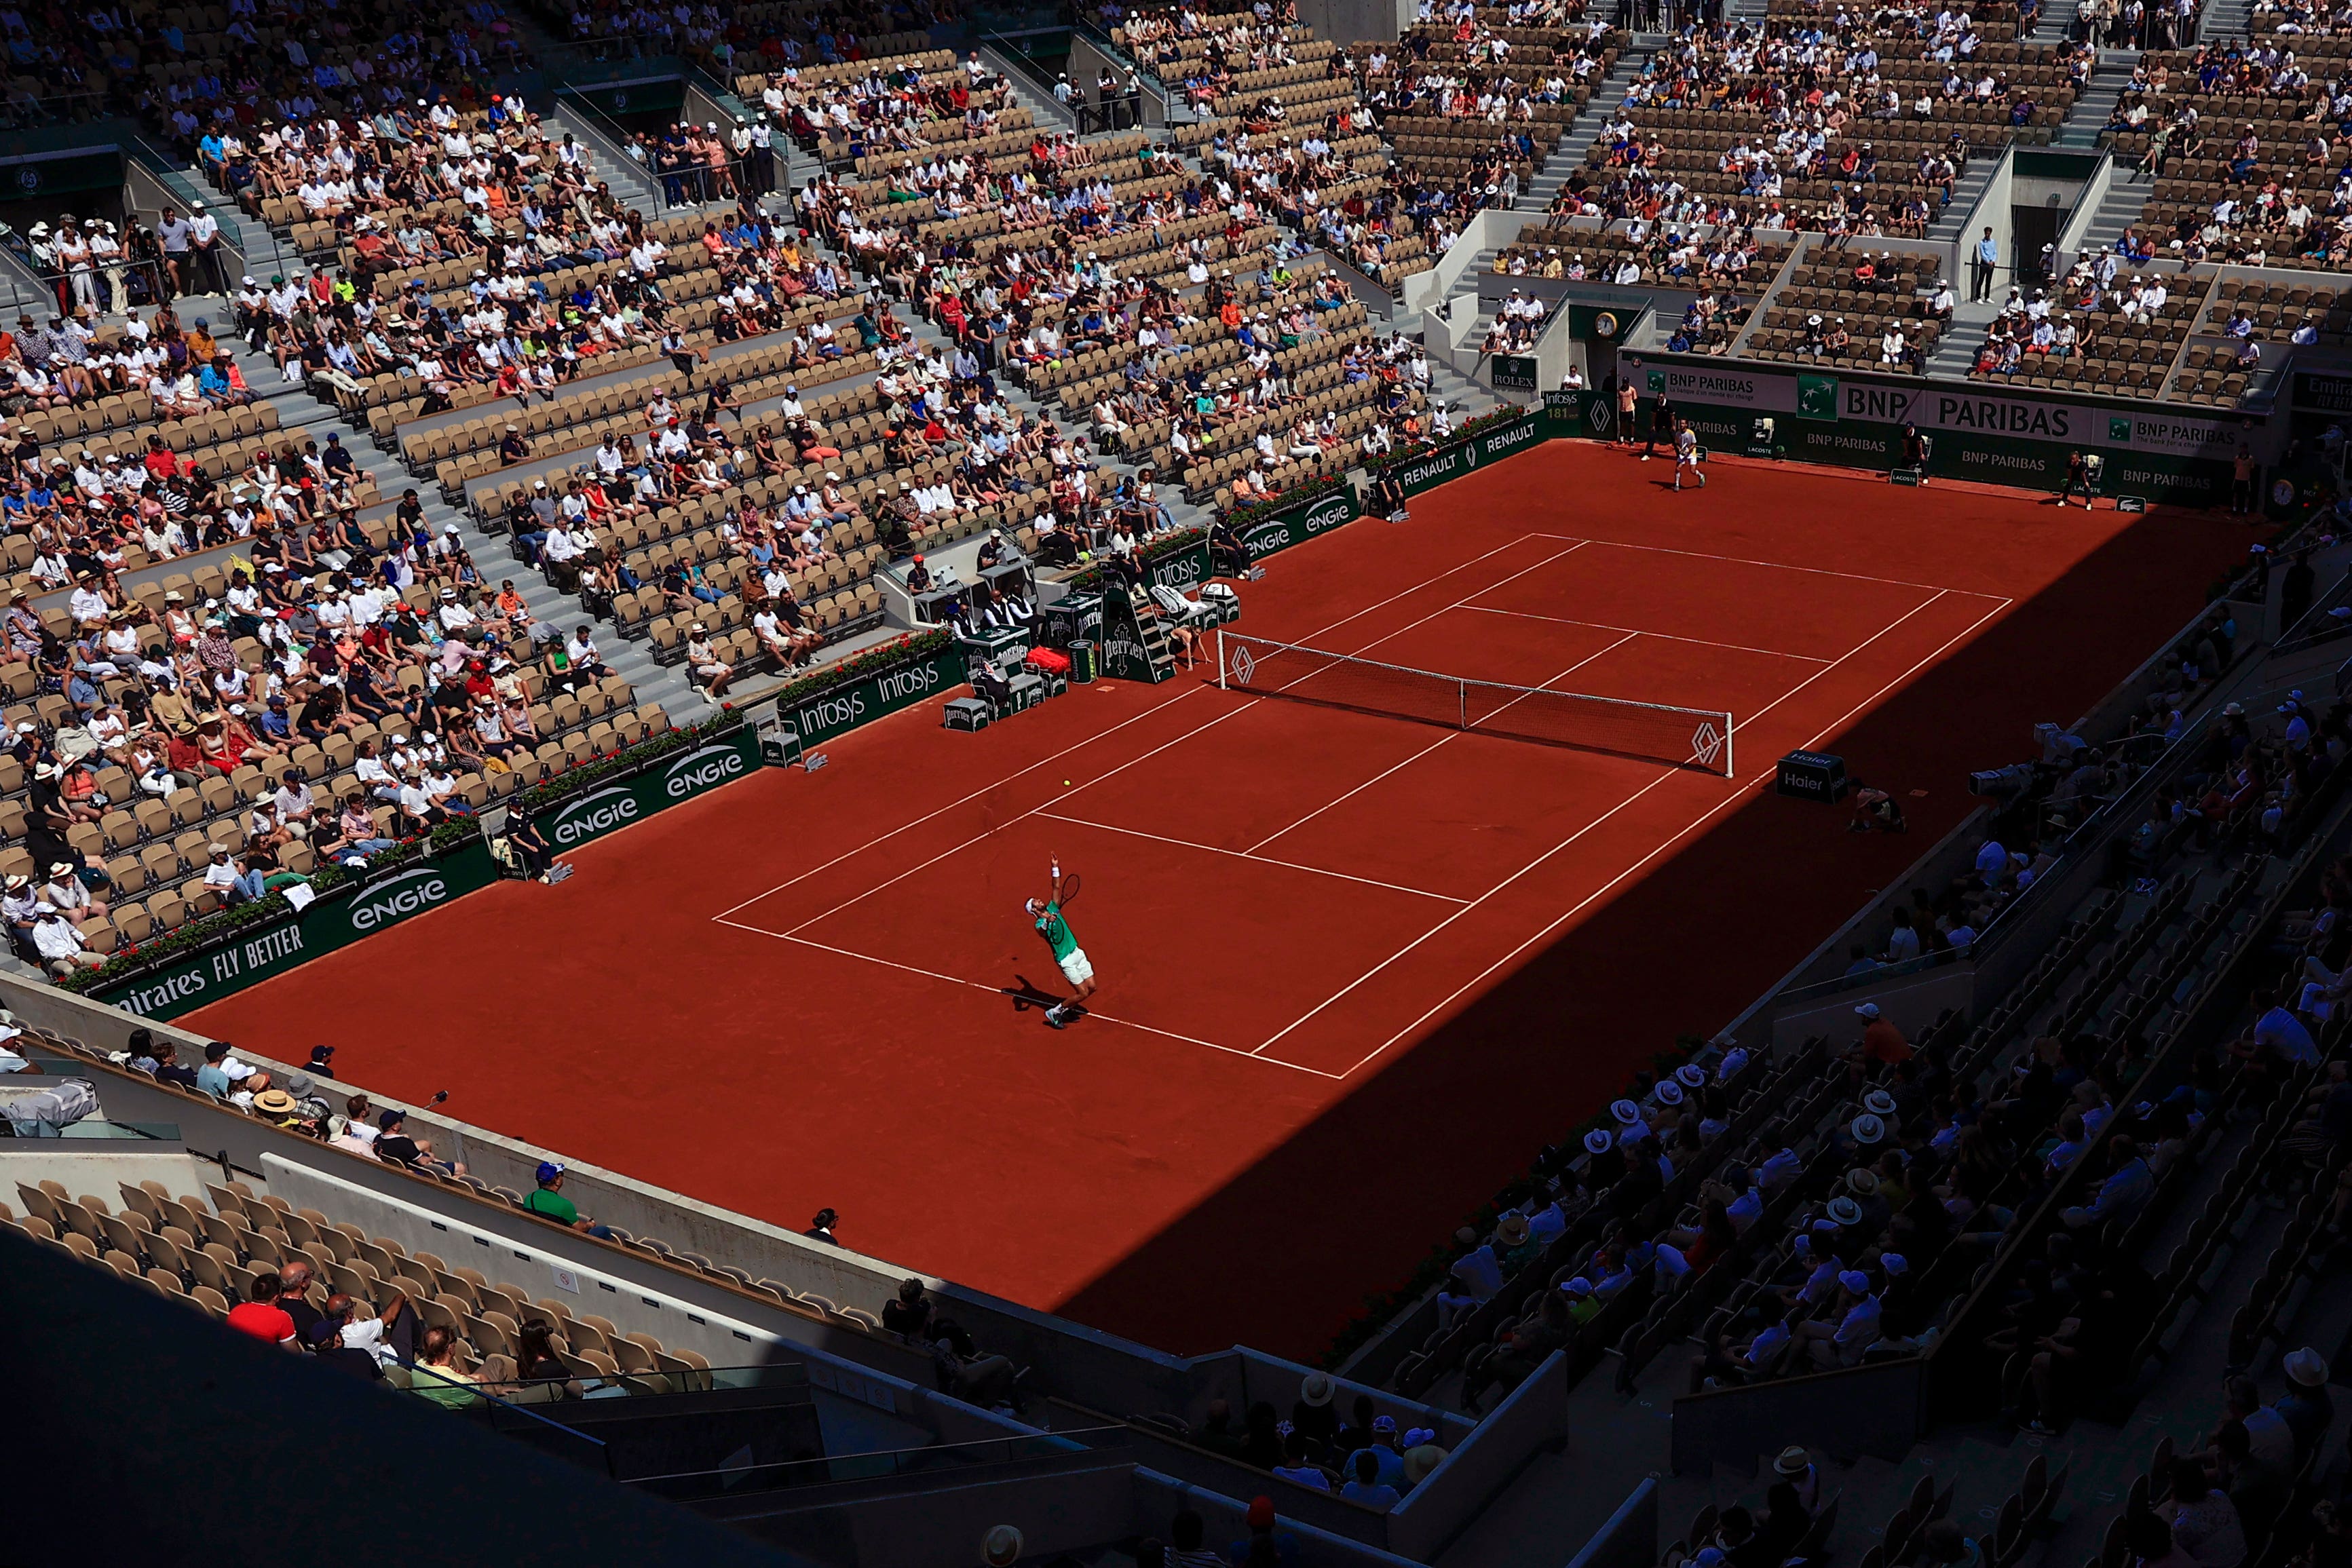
[
  {"x": 628, "y": 178},
  {"x": 2225, "y": 19},
  {"x": 1585, "y": 128},
  {"x": 1950, "y": 224},
  {"x": 302, "y": 417},
  {"x": 2057, "y": 20},
  {"x": 2126, "y": 198},
  {"x": 1956, "y": 349},
  {"x": 2091, "y": 111},
  {"x": 1051, "y": 113}
]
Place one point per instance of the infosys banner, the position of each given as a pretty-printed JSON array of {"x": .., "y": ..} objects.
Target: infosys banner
[
  {"x": 1491, "y": 445},
  {"x": 336, "y": 918},
  {"x": 1278, "y": 530},
  {"x": 660, "y": 784},
  {"x": 842, "y": 708}
]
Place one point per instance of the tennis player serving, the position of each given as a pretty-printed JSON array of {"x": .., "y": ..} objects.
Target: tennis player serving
[{"x": 1047, "y": 914}]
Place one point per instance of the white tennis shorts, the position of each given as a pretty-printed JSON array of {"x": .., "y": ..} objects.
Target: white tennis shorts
[{"x": 1076, "y": 968}]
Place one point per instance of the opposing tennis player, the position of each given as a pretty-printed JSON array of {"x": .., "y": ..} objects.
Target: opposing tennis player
[
  {"x": 1687, "y": 455},
  {"x": 1076, "y": 968}
]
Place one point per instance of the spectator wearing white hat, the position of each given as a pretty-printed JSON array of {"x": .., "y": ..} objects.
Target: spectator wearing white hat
[
  {"x": 60, "y": 943},
  {"x": 1857, "y": 1328},
  {"x": 2307, "y": 1408}
]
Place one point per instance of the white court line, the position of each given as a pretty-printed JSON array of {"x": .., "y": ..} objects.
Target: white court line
[
  {"x": 1668, "y": 636},
  {"x": 1776, "y": 565},
  {"x": 1697, "y": 822},
  {"x": 1179, "y": 740},
  {"x": 1422, "y": 752},
  {"x": 1246, "y": 855},
  {"x": 1114, "y": 729},
  {"x": 999, "y": 990},
  {"x": 1032, "y": 811},
  {"x": 1587, "y": 827},
  {"x": 960, "y": 800}
]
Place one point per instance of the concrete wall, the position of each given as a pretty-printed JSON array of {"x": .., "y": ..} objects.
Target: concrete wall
[
  {"x": 1991, "y": 208},
  {"x": 1099, "y": 1371},
  {"x": 1089, "y": 60},
  {"x": 1912, "y": 1001},
  {"x": 1452, "y": 1495},
  {"x": 1348, "y": 21},
  {"x": 1485, "y": 230}
]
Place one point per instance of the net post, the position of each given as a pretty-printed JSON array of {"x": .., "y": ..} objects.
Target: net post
[
  {"x": 1221, "y": 660},
  {"x": 1728, "y": 769},
  {"x": 1462, "y": 705}
]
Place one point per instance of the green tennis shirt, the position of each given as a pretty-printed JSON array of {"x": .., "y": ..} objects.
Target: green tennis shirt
[{"x": 1056, "y": 932}]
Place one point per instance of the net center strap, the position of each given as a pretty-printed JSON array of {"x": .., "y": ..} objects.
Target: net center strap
[{"x": 1683, "y": 736}]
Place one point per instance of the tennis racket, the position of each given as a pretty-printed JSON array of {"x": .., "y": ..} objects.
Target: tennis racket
[{"x": 1069, "y": 887}]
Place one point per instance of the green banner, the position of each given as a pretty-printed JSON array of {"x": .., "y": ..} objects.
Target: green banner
[
  {"x": 337, "y": 918},
  {"x": 1279, "y": 529},
  {"x": 58, "y": 174},
  {"x": 1516, "y": 373},
  {"x": 1187, "y": 567},
  {"x": 1564, "y": 413},
  {"x": 1419, "y": 474},
  {"x": 843, "y": 708},
  {"x": 661, "y": 783}
]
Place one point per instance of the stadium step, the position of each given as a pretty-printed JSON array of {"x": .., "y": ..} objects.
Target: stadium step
[
  {"x": 303, "y": 417},
  {"x": 1585, "y": 128},
  {"x": 2226, "y": 19},
  {"x": 1956, "y": 349},
  {"x": 1050, "y": 113},
  {"x": 2088, "y": 119},
  {"x": 2126, "y": 198},
  {"x": 1949, "y": 223}
]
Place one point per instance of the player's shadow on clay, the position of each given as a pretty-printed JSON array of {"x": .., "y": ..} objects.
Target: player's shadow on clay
[{"x": 1026, "y": 994}]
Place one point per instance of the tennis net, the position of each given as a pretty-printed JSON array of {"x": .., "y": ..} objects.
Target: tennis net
[{"x": 1683, "y": 736}]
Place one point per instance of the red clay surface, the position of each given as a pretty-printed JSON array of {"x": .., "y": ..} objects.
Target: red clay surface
[{"x": 1354, "y": 970}]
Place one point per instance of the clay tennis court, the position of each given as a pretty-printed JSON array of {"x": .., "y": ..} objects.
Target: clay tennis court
[{"x": 1354, "y": 968}]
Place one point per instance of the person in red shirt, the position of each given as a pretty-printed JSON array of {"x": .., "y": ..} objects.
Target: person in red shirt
[
  {"x": 261, "y": 1316},
  {"x": 1881, "y": 1041},
  {"x": 160, "y": 462}
]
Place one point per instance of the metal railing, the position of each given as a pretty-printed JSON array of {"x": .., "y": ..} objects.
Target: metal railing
[
  {"x": 26, "y": 111},
  {"x": 1173, "y": 109},
  {"x": 668, "y": 190},
  {"x": 106, "y": 289},
  {"x": 143, "y": 163}
]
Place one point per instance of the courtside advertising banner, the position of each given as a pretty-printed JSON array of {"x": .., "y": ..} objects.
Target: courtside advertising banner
[
  {"x": 660, "y": 784},
  {"x": 1279, "y": 531},
  {"x": 1993, "y": 435},
  {"x": 840, "y": 709},
  {"x": 1491, "y": 445},
  {"x": 336, "y": 918}
]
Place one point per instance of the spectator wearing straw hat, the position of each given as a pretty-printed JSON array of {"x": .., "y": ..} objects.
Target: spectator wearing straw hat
[
  {"x": 1312, "y": 1413},
  {"x": 1796, "y": 1466},
  {"x": 2307, "y": 1407}
]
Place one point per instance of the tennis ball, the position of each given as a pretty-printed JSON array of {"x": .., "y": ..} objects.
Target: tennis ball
[{"x": 1065, "y": 783}]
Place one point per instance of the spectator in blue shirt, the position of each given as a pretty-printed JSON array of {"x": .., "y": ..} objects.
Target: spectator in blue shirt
[
  {"x": 2124, "y": 1193},
  {"x": 2277, "y": 1042},
  {"x": 1365, "y": 1485}
]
